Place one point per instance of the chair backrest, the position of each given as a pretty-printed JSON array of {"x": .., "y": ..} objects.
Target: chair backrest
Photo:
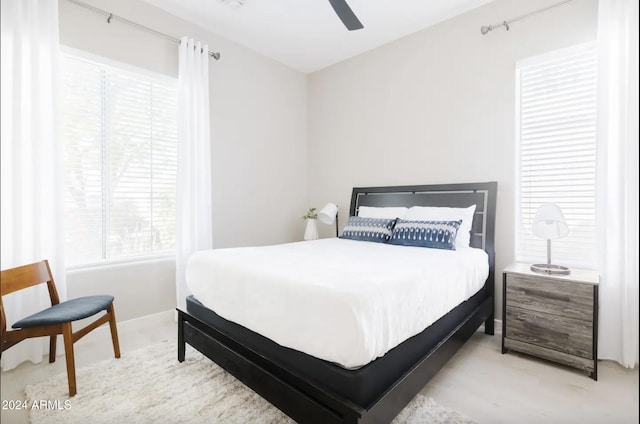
[{"x": 22, "y": 277}]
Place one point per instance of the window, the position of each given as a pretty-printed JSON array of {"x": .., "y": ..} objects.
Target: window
[
  {"x": 119, "y": 129},
  {"x": 556, "y": 135}
]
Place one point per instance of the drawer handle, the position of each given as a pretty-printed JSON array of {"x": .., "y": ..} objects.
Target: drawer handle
[{"x": 547, "y": 295}]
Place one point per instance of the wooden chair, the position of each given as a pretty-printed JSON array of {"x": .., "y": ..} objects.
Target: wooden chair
[{"x": 54, "y": 320}]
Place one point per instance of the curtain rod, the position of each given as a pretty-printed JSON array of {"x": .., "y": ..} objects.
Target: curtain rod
[
  {"x": 110, "y": 16},
  {"x": 485, "y": 29}
]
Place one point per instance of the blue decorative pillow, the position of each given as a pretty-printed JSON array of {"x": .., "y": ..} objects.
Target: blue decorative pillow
[
  {"x": 435, "y": 234},
  {"x": 368, "y": 229}
]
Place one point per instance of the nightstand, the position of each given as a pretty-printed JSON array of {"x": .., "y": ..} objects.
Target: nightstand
[{"x": 551, "y": 316}]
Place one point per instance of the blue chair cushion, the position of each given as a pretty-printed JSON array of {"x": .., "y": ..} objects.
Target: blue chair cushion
[{"x": 71, "y": 310}]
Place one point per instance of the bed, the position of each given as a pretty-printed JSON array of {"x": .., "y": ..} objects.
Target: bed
[{"x": 344, "y": 375}]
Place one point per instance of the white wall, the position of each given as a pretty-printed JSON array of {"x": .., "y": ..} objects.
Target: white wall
[
  {"x": 139, "y": 288},
  {"x": 259, "y": 149},
  {"x": 434, "y": 107}
]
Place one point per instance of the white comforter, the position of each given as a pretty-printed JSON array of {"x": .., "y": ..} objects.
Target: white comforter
[{"x": 343, "y": 301}]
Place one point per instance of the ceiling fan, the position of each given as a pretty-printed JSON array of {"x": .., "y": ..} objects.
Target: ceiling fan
[{"x": 346, "y": 15}]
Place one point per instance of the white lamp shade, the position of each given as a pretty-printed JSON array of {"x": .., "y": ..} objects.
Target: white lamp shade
[
  {"x": 549, "y": 222},
  {"x": 328, "y": 213}
]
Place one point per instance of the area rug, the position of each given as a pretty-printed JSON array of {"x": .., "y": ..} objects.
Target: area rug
[{"x": 150, "y": 386}]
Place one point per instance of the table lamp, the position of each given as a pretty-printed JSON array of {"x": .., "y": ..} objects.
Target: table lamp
[
  {"x": 329, "y": 214},
  {"x": 549, "y": 224}
]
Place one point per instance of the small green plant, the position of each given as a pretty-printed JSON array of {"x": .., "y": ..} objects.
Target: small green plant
[{"x": 311, "y": 214}]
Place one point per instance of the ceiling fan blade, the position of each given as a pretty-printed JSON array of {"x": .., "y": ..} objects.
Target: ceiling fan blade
[{"x": 346, "y": 15}]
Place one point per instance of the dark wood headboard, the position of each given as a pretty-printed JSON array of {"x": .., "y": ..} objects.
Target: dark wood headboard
[{"x": 483, "y": 195}]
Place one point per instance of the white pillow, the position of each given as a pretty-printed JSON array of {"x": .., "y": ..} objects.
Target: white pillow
[
  {"x": 382, "y": 212},
  {"x": 431, "y": 213}
]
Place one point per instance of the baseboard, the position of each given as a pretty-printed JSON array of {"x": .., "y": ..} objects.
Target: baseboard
[
  {"x": 146, "y": 320},
  {"x": 134, "y": 324},
  {"x": 497, "y": 327}
]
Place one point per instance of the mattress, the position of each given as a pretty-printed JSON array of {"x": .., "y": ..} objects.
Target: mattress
[
  {"x": 361, "y": 386},
  {"x": 343, "y": 301}
]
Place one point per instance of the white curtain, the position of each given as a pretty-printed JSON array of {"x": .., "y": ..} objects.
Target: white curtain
[
  {"x": 194, "y": 214},
  {"x": 31, "y": 198},
  {"x": 617, "y": 180}
]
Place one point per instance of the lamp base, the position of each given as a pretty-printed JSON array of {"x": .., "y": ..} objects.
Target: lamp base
[{"x": 551, "y": 269}]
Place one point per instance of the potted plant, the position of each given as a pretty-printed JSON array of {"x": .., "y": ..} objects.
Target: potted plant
[{"x": 311, "y": 232}]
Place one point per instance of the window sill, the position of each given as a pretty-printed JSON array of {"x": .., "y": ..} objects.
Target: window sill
[{"x": 123, "y": 261}]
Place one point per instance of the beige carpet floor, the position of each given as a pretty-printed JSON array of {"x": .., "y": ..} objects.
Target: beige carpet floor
[{"x": 150, "y": 386}]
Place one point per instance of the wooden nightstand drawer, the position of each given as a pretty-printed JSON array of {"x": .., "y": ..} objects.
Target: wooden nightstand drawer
[
  {"x": 562, "y": 334},
  {"x": 585, "y": 364},
  {"x": 540, "y": 294},
  {"x": 554, "y": 317}
]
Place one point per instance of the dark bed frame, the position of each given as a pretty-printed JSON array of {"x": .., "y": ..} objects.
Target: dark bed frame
[{"x": 302, "y": 399}]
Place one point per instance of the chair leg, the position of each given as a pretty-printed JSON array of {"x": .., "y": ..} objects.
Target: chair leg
[
  {"x": 67, "y": 335},
  {"x": 114, "y": 330},
  {"x": 52, "y": 349}
]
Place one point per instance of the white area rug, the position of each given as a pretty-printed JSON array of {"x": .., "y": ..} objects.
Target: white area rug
[{"x": 151, "y": 386}]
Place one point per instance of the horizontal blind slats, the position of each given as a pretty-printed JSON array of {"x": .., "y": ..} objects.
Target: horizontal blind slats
[
  {"x": 557, "y": 154},
  {"x": 120, "y": 134}
]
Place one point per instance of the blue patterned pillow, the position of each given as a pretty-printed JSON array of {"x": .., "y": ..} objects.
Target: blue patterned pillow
[
  {"x": 368, "y": 229},
  {"x": 435, "y": 234}
]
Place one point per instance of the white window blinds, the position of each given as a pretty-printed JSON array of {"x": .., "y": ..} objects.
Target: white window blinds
[
  {"x": 556, "y": 132},
  {"x": 119, "y": 129}
]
